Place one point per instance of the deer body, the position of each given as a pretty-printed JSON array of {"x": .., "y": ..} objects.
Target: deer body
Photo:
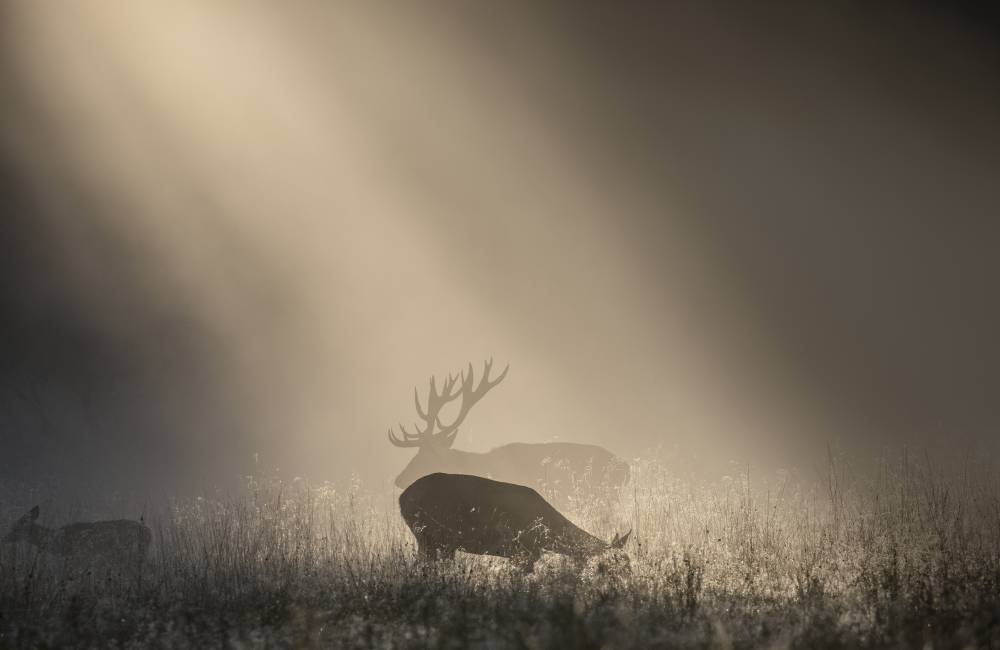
[
  {"x": 559, "y": 469},
  {"x": 457, "y": 512},
  {"x": 554, "y": 468},
  {"x": 116, "y": 541}
]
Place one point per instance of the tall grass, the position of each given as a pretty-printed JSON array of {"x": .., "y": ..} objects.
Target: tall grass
[{"x": 899, "y": 556}]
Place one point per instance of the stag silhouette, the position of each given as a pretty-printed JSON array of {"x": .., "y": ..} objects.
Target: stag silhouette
[
  {"x": 458, "y": 512},
  {"x": 556, "y": 469},
  {"x": 120, "y": 542}
]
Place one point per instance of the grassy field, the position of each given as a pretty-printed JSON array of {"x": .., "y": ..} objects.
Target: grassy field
[{"x": 897, "y": 557}]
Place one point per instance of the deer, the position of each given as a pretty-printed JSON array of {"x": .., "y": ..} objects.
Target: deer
[
  {"x": 458, "y": 512},
  {"x": 120, "y": 542},
  {"x": 558, "y": 469}
]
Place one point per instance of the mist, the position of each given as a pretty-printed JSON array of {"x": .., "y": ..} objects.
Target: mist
[{"x": 236, "y": 237}]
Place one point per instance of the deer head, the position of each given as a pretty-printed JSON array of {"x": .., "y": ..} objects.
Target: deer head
[
  {"x": 24, "y": 529},
  {"x": 618, "y": 542},
  {"x": 614, "y": 561},
  {"x": 433, "y": 439}
]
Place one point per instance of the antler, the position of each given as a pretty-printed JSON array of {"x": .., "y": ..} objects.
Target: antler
[{"x": 445, "y": 435}]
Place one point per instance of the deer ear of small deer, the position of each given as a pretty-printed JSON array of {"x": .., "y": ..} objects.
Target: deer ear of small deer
[
  {"x": 619, "y": 542},
  {"x": 34, "y": 513}
]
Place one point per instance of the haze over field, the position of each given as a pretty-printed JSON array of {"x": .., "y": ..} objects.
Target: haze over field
[{"x": 738, "y": 234}]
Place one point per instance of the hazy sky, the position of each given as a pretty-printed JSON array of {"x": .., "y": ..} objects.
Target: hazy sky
[{"x": 739, "y": 233}]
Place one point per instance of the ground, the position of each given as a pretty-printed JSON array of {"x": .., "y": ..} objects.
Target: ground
[{"x": 902, "y": 559}]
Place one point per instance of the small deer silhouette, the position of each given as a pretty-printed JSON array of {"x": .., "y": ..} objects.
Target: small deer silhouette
[{"x": 120, "y": 542}]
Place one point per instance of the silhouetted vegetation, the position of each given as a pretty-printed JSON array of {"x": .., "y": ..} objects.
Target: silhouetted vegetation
[{"x": 902, "y": 558}]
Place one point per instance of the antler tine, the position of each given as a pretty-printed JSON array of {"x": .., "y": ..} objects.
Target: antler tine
[
  {"x": 416, "y": 400},
  {"x": 502, "y": 374},
  {"x": 487, "y": 366},
  {"x": 432, "y": 398},
  {"x": 449, "y": 439},
  {"x": 433, "y": 401},
  {"x": 404, "y": 442},
  {"x": 476, "y": 392},
  {"x": 446, "y": 394}
]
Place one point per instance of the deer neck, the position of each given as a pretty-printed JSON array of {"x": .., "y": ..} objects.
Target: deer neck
[
  {"x": 468, "y": 462},
  {"x": 574, "y": 541}
]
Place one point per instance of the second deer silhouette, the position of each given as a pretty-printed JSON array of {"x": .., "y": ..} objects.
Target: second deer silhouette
[
  {"x": 457, "y": 512},
  {"x": 120, "y": 542}
]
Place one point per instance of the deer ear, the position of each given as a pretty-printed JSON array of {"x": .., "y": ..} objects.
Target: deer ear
[
  {"x": 34, "y": 513},
  {"x": 619, "y": 542}
]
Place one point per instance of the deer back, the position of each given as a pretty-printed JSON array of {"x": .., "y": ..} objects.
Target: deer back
[
  {"x": 485, "y": 516},
  {"x": 114, "y": 538}
]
